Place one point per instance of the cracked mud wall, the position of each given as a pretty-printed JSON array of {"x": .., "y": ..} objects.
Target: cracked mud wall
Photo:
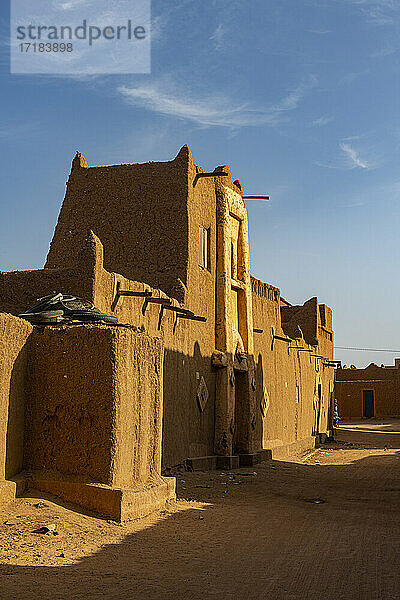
[
  {"x": 138, "y": 381},
  {"x": 94, "y": 405},
  {"x": 70, "y": 403}
]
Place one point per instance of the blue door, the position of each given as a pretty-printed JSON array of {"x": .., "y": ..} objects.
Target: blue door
[{"x": 368, "y": 404}]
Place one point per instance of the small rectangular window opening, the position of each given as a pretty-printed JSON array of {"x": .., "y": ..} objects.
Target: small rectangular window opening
[{"x": 204, "y": 241}]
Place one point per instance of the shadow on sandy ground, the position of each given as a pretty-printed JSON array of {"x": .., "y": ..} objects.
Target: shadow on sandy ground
[
  {"x": 256, "y": 536},
  {"x": 384, "y": 425}
]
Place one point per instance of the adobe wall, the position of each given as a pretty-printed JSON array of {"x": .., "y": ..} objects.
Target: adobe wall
[
  {"x": 188, "y": 427},
  {"x": 305, "y": 317},
  {"x": 188, "y": 345},
  {"x": 350, "y": 384},
  {"x": 138, "y": 381},
  {"x": 138, "y": 226},
  {"x": 237, "y": 418},
  {"x": 290, "y": 413},
  {"x": 14, "y": 335},
  {"x": 70, "y": 402},
  {"x": 188, "y": 430},
  {"x": 94, "y": 403},
  {"x": 93, "y": 418},
  {"x": 201, "y": 282},
  {"x": 136, "y": 210},
  {"x": 19, "y": 290}
]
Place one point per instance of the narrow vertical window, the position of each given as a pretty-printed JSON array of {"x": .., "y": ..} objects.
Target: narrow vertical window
[{"x": 203, "y": 247}]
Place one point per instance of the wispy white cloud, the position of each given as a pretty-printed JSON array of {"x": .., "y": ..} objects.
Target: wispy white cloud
[
  {"x": 218, "y": 37},
  {"x": 321, "y": 121},
  {"x": 351, "y": 77},
  {"x": 293, "y": 98},
  {"x": 320, "y": 31},
  {"x": 375, "y": 12},
  {"x": 354, "y": 157},
  {"x": 166, "y": 98},
  {"x": 353, "y": 204},
  {"x": 68, "y": 4},
  {"x": 386, "y": 51},
  {"x": 379, "y": 12},
  {"x": 355, "y": 153}
]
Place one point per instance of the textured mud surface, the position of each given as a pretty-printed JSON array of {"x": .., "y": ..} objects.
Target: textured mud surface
[{"x": 326, "y": 526}]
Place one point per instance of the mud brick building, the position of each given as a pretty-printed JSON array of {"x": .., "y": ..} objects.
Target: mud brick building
[
  {"x": 207, "y": 367},
  {"x": 367, "y": 393}
]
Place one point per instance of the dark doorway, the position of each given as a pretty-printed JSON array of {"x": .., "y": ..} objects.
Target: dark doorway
[
  {"x": 368, "y": 404},
  {"x": 319, "y": 406},
  {"x": 240, "y": 435}
]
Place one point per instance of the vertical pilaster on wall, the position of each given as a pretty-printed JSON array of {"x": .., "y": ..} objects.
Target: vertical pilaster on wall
[
  {"x": 246, "y": 440},
  {"x": 223, "y": 324},
  {"x": 225, "y": 391},
  {"x": 224, "y": 411},
  {"x": 246, "y": 308},
  {"x": 254, "y": 441},
  {"x": 230, "y": 203}
]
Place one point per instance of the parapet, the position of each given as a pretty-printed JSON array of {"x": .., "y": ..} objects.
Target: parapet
[
  {"x": 305, "y": 317},
  {"x": 265, "y": 290}
]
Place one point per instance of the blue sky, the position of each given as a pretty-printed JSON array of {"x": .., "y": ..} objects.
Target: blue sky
[{"x": 299, "y": 97}]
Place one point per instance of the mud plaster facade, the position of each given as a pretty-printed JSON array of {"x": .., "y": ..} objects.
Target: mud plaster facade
[
  {"x": 353, "y": 389},
  {"x": 238, "y": 376}
]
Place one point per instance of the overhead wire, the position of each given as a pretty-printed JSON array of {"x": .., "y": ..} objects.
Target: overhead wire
[{"x": 366, "y": 349}]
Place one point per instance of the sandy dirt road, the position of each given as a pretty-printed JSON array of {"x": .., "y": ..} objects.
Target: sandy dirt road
[
  {"x": 253, "y": 534},
  {"x": 371, "y": 432}
]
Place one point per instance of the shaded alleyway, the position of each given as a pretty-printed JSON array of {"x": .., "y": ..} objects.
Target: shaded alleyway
[{"x": 252, "y": 534}]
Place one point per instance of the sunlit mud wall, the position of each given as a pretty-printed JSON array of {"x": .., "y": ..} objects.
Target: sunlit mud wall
[
  {"x": 14, "y": 335},
  {"x": 137, "y": 227},
  {"x": 294, "y": 388}
]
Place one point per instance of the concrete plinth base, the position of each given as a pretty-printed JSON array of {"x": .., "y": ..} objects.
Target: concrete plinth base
[
  {"x": 202, "y": 463},
  {"x": 249, "y": 460},
  {"x": 118, "y": 504},
  {"x": 265, "y": 454},
  {"x": 12, "y": 488},
  {"x": 142, "y": 502},
  {"x": 210, "y": 463},
  {"x": 275, "y": 450},
  {"x": 321, "y": 438},
  {"x": 8, "y": 492},
  {"x": 227, "y": 462}
]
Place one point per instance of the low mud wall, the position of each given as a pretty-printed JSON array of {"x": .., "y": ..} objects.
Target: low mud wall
[{"x": 14, "y": 335}]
